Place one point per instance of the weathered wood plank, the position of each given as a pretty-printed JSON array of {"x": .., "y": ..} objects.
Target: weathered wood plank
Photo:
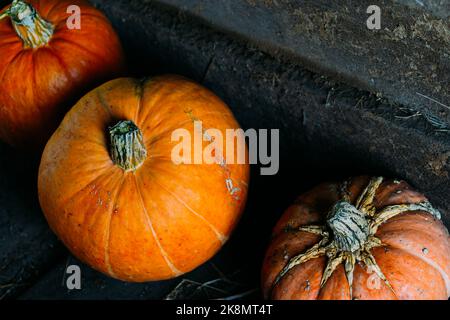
[{"x": 408, "y": 60}]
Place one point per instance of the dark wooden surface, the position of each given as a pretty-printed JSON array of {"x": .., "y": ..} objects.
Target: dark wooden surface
[
  {"x": 329, "y": 129},
  {"x": 407, "y": 60},
  {"x": 27, "y": 246}
]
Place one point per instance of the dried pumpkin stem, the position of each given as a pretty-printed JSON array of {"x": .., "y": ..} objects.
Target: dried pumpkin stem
[
  {"x": 4, "y": 14},
  {"x": 349, "y": 226},
  {"x": 395, "y": 210},
  {"x": 127, "y": 146},
  {"x": 34, "y": 31},
  {"x": 365, "y": 203}
]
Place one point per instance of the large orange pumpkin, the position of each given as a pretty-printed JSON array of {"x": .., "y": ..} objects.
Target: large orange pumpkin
[
  {"x": 45, "y": 65},
  {"x": 111, "y": 191},
  {"x": 367, "y": 238}
]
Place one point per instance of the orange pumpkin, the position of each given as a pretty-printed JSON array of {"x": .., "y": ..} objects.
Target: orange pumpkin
[
  {"x": 115, "y": 196},
  {"x": 45, "y": 65},
  {"x": 367, "y": 238}
]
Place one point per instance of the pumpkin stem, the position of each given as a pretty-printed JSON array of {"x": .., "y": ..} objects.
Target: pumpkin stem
[
  {"x": 349, "y": 227},
  {"x": 127, "y": 146},
  {"x": 34, "y": 31}
]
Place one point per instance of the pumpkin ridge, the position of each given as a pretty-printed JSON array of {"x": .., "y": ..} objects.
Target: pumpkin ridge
[
  {"x": 167, "y": 95},
  {"x": 161, "y": 135},
  {"x": 161, "y": 157},
  {"x": 140, "y": 87},
  {"x": 49, "y": 12},
  {"x": 33, "y": 87},
  {"x": 108, "y": 236},
  {"x": 101, "y": 180},
  {"x": 164, "y": 133},
  {"x": 325, "y": 288},
  {"x": 166, "y": 257},
  {"x": 151, "y": 107},
  {"x": 362, "y": 271},
  {"x": 103, "y": 102},
  {"x": 95, "y": 143},
  {"x": 4, "y": 44},
  {"x": 401, "y": 229},
  {"x": 426, "y": 259},
  {"x": 179, "y": 125},
  {"x": 8, "y": 65},
  {"x": 309, "y": 270},
  {"x": 60, "y": 222},
  {"x": 220, "y": 236},
  {"x": 77, "y": 193}
]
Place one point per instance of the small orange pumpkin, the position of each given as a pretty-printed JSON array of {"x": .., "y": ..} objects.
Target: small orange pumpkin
[
  {"x": 45, "y": 65},
  {"x": 367, "y": 238},
  {"x": 115, "y": 197}
]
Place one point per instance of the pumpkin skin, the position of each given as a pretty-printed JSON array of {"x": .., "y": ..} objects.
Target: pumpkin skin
[
  {"x": 160, "y": 220},
  {"x": 413, "y": 256},
  {"x": 39, "y": 79}
]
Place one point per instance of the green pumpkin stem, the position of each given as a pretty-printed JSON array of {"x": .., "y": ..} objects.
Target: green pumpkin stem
[
  {"x": 34, "y": 31},
  {"x": 127, "y": 146}
]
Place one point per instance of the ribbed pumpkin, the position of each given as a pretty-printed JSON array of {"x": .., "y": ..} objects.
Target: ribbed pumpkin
[
  {"x": 366, "y": 238},
  {"x": 44, "y": 65},
  {"x": 111, "y": 191}
]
